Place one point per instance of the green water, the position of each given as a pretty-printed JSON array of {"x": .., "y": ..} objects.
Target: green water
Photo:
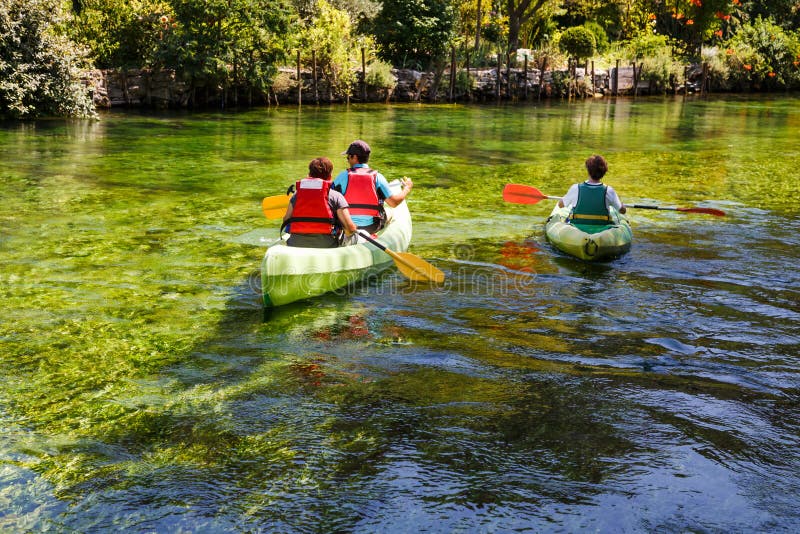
[{"x": 143, "y": 388}]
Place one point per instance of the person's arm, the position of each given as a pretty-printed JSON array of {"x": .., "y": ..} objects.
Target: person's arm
[
  {"x": 570, "y": 197},
  {"x": 288, "y": 213},
  {"x": 397, "y": 198},
  {"x": 347, "y": 223},
  {"x": 615, "y": 201}
]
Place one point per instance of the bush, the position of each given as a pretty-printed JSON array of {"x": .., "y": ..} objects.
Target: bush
[
  {"x": 39, "y": 69},
  {"x": 600, "y": 35},
  {"x": 379, "y": 74},
  {"x": 762, "y": 54},
  {"x": 647, "y": 45},
  {"x": 578, "y": 42},
  {"x": 121, "y": 33}
]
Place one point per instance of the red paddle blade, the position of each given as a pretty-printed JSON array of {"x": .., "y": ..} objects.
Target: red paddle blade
[
  {"x": 708, "y": 211},
  {"x": 522, "y": 194}
]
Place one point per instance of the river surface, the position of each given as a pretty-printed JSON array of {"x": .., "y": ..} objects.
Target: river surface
[{"x": 144, "y": 389}]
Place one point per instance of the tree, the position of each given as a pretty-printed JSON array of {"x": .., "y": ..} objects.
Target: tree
[
  {"x": 39, "y": 68},
  {"x": 120, "y": 33},
  {"x": 224, "y": 43},
  {"x": 330, "y": 34},
  {"x": 415, "y": 32},
  {"x": 578, "y": 42},
  {"x": 519, "y": 12}
]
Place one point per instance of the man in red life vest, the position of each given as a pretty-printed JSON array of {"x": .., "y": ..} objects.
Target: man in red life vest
[
  {"x": 317, "y": 215},
  {"x": 366, "y": 189},
  {"x": 590, "y": 200}
]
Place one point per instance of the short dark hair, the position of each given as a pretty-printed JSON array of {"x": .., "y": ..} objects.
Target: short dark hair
[
  {"x": 320, "y": 168},
  {"x": 597, "y": 167}
]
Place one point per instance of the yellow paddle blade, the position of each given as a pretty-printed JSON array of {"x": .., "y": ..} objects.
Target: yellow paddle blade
[
  {"x": 275, "y": 207},
  {"x": 415, "y": 268}
]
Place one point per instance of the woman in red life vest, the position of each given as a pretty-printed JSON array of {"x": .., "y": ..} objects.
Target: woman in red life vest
[
  {"x": 317, "y": 215},
  {"x": 366, "y": 189}
]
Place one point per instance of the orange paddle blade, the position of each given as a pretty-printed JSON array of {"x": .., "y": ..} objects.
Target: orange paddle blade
[
  {"x": 523, "y": 194},
  {"x": 274, "y": 207}
]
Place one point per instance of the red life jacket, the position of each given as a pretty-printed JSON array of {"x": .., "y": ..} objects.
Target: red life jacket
[
  {"x": 312, "y": 213},
  {"x": 361, "y": 193}
]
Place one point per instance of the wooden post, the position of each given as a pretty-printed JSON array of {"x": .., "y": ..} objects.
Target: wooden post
[
  {"x": 314, "y": 75},
  {"x": 685, "y": 81},
  {"x": 525, "y": 79},
  {"x": 299, "y": 81},
  {"x": 451, "y": 96},
  {"x": 594, "y": 82},
  {"x": 363, "y": 74},
  {"x": 616, "y": 79},
  {"x": 508, "y": 75},
  {"x": 635, "y": 81},
  {"x": 469, "y": 79},
  {"x": 542, "y": 68},
  {"x": 478, "y": 27},
  {"x": 499, "y": 67},
  {"x": 704, "y": 89}
]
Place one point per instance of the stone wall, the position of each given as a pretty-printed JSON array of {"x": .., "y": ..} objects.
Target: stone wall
[{"x": 162, "y": 89}]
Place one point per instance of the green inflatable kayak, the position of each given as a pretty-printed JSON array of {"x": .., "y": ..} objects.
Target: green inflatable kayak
[
  {"x": 587, "y": 241},
  {"x": 294, "y": 273}
]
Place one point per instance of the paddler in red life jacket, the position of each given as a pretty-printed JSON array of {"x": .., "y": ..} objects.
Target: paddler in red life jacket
[
  {"x": 590, "y": 200},
  {"x": 366, "y": 189},
  {"x": 317, "y": 216}
]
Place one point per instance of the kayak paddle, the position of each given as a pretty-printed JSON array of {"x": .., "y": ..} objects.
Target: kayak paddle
[
  {"x": 275, "y": 207},
  {"x": 524, "y": 194},
  {"x": 708, "y": 211},
  {"x": 413, "y": 267}
]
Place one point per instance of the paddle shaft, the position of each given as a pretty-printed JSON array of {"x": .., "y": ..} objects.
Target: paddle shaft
[
  {"x": 707, "y": 211},
  {"x": 410, "y": 265}
]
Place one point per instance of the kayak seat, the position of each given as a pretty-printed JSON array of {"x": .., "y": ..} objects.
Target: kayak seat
[{"x": 593, "y": 228}]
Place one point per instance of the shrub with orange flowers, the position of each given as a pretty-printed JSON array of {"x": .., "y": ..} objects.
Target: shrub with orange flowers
[{"x": 762, "y": 56}]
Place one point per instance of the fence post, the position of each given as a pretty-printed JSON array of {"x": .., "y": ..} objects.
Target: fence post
[
  {"x": 594, "y": 84},
  {"x": 469, "y": 79},
  {"x": 363, "y": 75},
  {"x": 314, "y": 75},
  {"x": 299, "y": 81},
  {"x": 685, "y": 81},
  {"x": 451, "y": 96},
  {"x": 508, "y": 75},
  {"x": 706, "y": 82},
  {"x": 525, "y": 79},
  {"x": 499, "y": 67},
  {"x": 616, "y": 79}
]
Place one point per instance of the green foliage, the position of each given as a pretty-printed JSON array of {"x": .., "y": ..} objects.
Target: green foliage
[
  {"x": 330, "y": 34},
  {"x": 122, "y": 33},
  {"x": 762, "y": 54},
  {"x": 647, "y": 45},
  {"x": 221, "y": 43},
  {"x": 661, "y": 70},
  {"x": 600, "y": 36},
  {"x": 414, "y": 32},
  {"x": 39, "y": 68},
  {"x": 379, "y": 74},
  {"x": 464, "y": 82},
  {"x": 578, "y": 42}
]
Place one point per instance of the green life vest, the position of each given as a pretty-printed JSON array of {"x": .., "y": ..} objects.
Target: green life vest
[{"x": 591, "y": 207}]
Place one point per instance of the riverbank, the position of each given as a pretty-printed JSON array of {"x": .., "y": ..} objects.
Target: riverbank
[{"x": 163, "y": 89}]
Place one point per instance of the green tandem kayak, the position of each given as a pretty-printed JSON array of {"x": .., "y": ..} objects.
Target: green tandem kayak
[
  {"x": 289, "y": 274},
  {"x": 589, "y": 242}
]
